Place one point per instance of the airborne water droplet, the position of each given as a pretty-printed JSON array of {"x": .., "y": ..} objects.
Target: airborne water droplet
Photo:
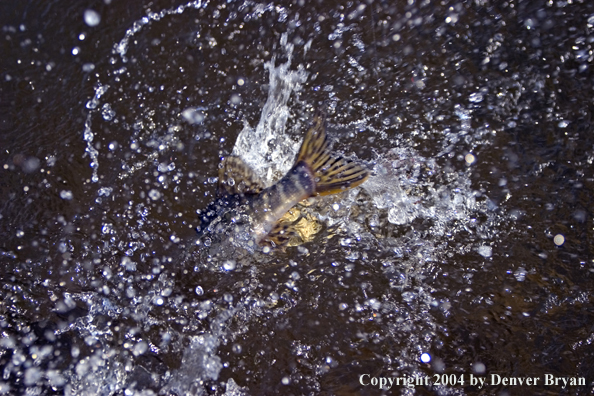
[
  {"x": 66, "y": 194},
  {"x": 92, "y": 17},
  {"x": 485, "y": 251},
  {"x": 229, "y": 265}
]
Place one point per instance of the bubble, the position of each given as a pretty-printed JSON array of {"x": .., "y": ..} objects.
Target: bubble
[
  {"x": 154, "y": 194},
  {"x": 559, "y": 239},
  {"x": 240, "y": 81},
  {"x": 92, "y": 17},
  {"x": 425, "y": 357}
]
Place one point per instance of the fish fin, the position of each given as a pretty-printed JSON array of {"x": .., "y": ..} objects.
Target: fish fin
[
  {"x": 280, "y": 235},
  {"x": 332, "y": 173},
  {"x": 236, "y": 177}
]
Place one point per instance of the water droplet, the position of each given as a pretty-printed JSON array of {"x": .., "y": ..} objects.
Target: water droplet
[
  {"x": 520, "y": 274},
  {"x": 107, "y": 113},
  {"x": 235, "y": 99},
  {"x": 154, "y": 194},
  {"x": 30, "y": 165},
  {"x": 485, "y": 251},
  {"x": 92, "y": 17},
  {"x": 476, "y": 97},
  {"x": 479, "y": 368},
  {"x": 66, "y": 194},
  {"x": 193, "y": 115},
  {"x": 425, "y": 357},
  {"x": 105, "y": 191},
  {"x": 128, "y": 264},
  {"x": 88, "y": 67},
  {"x": 229, "y": 265},
  {"x": 107, "y": 228},
  {"x": 408, "y": 296},
  {"x": 140, "y": 348}
]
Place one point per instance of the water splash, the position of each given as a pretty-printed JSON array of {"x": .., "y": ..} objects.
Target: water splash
[{"x": 266, "y": 149}]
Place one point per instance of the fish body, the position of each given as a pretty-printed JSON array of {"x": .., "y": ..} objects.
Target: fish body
[{"x": 247, "y": 214}]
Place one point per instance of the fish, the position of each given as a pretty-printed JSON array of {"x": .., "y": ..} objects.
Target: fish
[{"x": 247, "y": 214}]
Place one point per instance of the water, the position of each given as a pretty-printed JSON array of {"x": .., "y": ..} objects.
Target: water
[{"x": 468, "y": 250}]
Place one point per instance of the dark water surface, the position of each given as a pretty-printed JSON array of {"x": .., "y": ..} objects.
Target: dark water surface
[{"x": 469, "y": 251}]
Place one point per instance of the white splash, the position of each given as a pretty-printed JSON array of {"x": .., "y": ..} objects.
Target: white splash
[{"x": 266, "y": 149}]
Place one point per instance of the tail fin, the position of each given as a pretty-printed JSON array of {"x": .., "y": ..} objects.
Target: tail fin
[{"x": 332, "y": 173}]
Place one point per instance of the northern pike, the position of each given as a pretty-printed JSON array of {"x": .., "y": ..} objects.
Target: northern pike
[{"x": 247, "y": 214}]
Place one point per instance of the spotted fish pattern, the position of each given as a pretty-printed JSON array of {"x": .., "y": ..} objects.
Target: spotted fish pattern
[{"x": 250, "y": 214}]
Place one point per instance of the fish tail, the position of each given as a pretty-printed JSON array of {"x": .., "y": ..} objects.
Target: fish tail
[{"x": 332, "y": 173}]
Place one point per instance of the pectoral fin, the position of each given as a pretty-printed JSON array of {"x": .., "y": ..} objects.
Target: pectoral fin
[
  {"x": 280, "y": 235},
  {"x": 293, "y": 229},
  {"x": 236, "y": 177}
]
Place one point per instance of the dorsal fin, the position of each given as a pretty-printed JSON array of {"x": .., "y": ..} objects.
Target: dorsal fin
[
  {"x": 332, "y": 173},
  {"x": 236, "y": 177}
]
